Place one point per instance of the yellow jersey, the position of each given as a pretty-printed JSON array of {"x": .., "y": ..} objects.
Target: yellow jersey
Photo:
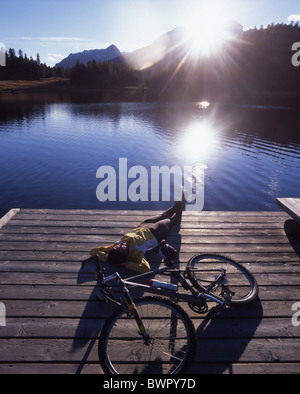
[{"x": 138, "y": 241}]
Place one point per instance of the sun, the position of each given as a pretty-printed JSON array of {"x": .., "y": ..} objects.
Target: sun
[
  {"x": 206, "y": 30},
  {"x": 205, "y": 38}
]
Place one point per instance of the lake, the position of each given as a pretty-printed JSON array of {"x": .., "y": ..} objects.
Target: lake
[{"x": 52, "y": 152}]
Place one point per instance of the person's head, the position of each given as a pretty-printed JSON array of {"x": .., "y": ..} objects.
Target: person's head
[{"x": 118, "y": 254}]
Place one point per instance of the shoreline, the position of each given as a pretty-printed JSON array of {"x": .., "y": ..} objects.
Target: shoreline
[
  {"x": 48, "y": 86},
  {"x": 44, "y": 85}
]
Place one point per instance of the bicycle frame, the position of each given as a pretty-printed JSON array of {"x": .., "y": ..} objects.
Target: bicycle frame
[{"x": 193, "y": 298}]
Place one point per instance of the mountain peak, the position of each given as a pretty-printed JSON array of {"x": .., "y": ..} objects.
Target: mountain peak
[
  {"x": 102, "y": 55},
  {"x": 112, "y": 46}
]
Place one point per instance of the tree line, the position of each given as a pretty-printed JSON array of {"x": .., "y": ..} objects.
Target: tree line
[
  {"x": 20, "y": 66},
  {"x": 108, "y": 75},
  {"x": 94, "y": 74},
  {"x": 257, "y": 61}
]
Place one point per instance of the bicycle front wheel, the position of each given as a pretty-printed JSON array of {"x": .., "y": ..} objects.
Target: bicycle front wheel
[
  {"x": 203, "y": 269},
  {"x": 172, "y": 344}
]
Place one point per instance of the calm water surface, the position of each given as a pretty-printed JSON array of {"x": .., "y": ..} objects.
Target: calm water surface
[{"x": 50, "y": 153}]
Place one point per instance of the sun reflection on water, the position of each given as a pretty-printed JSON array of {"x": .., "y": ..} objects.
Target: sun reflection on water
[
  {"x": 203, "y": 105},
  {"x": 198, "y": 142}
]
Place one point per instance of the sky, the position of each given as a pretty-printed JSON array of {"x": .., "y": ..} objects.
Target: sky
[{"x": 56, "y": 28}]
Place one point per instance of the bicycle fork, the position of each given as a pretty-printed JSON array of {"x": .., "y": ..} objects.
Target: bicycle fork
[
  {"x": 132, "y": 310},
  {"x": 129, "y": 306}
]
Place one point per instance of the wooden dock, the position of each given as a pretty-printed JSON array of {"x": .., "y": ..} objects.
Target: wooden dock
[
  {"x": 53, "y": 318},
  {"x": 290, "y": 206}
]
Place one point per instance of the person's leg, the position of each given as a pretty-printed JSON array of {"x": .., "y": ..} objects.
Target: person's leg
[
  {"x": 175, "y": 209},
  {"x": 161, "y": 225},
  {"x": 160, "y": 229}
]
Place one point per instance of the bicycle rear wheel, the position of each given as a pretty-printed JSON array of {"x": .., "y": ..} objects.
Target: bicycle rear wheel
[
  {"x": 123, "y": 350},
  {"x": 204, "y": 268}
]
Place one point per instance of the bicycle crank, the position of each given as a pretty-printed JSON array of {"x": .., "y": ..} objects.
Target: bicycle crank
[{"x": 199, "y": 308}]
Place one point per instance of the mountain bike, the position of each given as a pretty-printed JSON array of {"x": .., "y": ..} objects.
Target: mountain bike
[{"x": 153, "y": 334}]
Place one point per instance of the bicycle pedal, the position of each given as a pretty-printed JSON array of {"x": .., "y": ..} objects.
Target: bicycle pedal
[{"x": 227, "y": 294}]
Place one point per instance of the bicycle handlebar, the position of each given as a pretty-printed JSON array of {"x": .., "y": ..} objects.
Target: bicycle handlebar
[{"x": 111, "y": 277}]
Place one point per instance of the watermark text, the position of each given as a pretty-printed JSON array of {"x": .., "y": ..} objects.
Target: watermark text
[
  {"x": 158, "y": 183},
  {"x": 296, "y": 55},
  {"x": 2, "y": 55},
  {"x": 296, "y": 316},
  {"x": 2, "y": 315}
]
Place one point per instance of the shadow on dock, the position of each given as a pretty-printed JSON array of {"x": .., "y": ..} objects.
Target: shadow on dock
[
  {"x": 292, "y": 231},
  {"x": 224, "y": 335}
]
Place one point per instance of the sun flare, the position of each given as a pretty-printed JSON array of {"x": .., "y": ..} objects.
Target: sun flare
[{"x": 206, "y": 30}]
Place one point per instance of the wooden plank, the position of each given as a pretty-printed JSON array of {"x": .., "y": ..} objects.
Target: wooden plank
[
  {"x": 93, "y": 309},
  {"x": 179, "y": 239},
  {"x": 78, "y": 256},
  {"x": 195, "y": 369},
  {"x": 200, "y": 247},
  {"x": 134, "y": 220},
  {"x": 145, "y": 213},
  {"x": 46, "y": 292},
  {"x": 50, "y": 368},
  {"x": 290, "y": 206},
  {"x": 57, "y": 309},
  {"x": 90, "y": 328},
  {"x": 88, "y": 278},
  {"x": 71, "y": 292},
  {"x": 136, "y": 217},
  {"x": 196, "y": 224},
  {"x": 208, "y": 350},
  {"x": 20, "y": 266},
  {"x": 94, "y": 231},
  {"x": 6, "y": 218},
  {"x": 239, "y": 350}
]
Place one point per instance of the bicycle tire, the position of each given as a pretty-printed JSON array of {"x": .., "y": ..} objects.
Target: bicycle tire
[
  {"x": 122, "y": 350},
  {"x": 240, "y": 280}
]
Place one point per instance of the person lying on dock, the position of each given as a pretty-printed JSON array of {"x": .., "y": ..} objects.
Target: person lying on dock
[{"x": 130, "y": 250}]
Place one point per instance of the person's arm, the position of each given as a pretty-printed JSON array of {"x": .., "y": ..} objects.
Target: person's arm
[
  {"x": 101, "y": 252},
  {"x": 140, "y": 267}
]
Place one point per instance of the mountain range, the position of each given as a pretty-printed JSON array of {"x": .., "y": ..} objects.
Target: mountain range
[{"x": 165, "y": 50}]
